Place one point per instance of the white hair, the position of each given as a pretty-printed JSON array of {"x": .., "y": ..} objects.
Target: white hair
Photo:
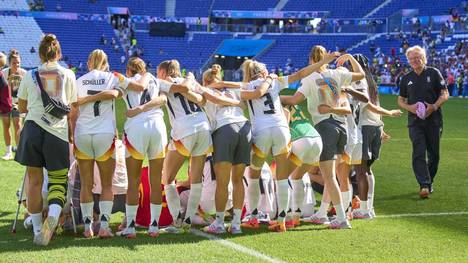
[{"x": 419, "y": 50}]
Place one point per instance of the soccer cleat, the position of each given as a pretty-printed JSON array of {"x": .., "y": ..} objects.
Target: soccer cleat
[
  {"x": 128, "y": 232},
  {"x": 105, "y": 232},
  {"x": 336, "y": 224},
  {"x": 361, "y": 214},
  {"x": 172, "y": 229},
  {"x": 316, "y": 220},
  {"x": 235, "y": 229},
  {"x": 214, "y": 228},
  {"x": 331, "y": 212},
  {"x": 153, "y": 231},
  {"x": 88, "y": 233},
  {"x": 8, "y": 156},
  {"x": 47, "y": 230},
  {"x": 251, "y": 223},
  {"x": 27, "y": 223},
  {"x": 278, "y": 227},
  {"x": 296, "y": 219},
  {"x": 424, "y": 193}
]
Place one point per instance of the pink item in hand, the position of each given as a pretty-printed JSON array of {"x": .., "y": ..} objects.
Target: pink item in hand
[{"x": 421, "y": 110}]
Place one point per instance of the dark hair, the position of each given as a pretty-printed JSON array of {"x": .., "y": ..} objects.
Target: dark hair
[
  {"x": 49, "y": 48},
  {"x": 372, "y": 86}
]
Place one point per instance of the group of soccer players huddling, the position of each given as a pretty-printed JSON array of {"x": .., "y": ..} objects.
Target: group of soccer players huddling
[{"x": 208, "y": 119}]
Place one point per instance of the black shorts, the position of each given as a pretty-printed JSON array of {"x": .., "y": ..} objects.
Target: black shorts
[
  {"x": 39, "y": 148},
  {"x": 371, "y": 142},
  {"x": 232, "y": 143},
  {"x": 334, "y": 138},
  {"x": 118, "y": 205}
]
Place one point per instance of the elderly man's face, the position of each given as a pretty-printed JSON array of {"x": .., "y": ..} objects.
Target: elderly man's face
[{"x": 416, "y": 60}]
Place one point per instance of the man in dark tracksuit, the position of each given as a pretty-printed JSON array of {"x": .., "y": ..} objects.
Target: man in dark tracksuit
[{"x": 423, "y": 84}]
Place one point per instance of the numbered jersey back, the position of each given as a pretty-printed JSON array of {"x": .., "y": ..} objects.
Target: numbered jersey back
[
  {"x": 98, "y": 116},
  {"x": 185, "y": 116},
  {"x": 134, "y": 99},
  {"x": 266, "y": 111}
]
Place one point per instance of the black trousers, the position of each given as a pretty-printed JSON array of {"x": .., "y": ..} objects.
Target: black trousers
[{"x": 425, "y": 138}]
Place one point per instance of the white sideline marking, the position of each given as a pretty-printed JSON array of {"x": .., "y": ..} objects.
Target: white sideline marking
[
  {"x": 424, "y": 214},
  {"x": 237, "y": 247}
]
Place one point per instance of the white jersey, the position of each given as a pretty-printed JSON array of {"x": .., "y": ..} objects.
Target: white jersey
[
  {"x": 266, "y": 111},
  {"x": 136, "y": 98},
  {"x": 324, "y": 88},
  {"x": 96, "y": 117},
  {"x": 367, "y": 117},
  {"x": 352, "y": 130},
  {"x": 185, "y": 116},
  {"x": 221, "y": 115}
]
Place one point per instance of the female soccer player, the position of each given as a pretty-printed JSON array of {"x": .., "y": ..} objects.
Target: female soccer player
[
  {"x": 94, "y": 138},
  {"x": 145, "y": 136},
  {"x": 13, "y": 75},
  {"x": 323, "y": 92},
  {"x": 190, "y": 137},
  {"x": 270, "y": 132},
  {"x": 44, "y": 139},
  {"x": 371, "y": 127}
]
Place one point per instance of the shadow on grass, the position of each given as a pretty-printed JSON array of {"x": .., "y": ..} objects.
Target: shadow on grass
[{"x": 4, "y": 214}]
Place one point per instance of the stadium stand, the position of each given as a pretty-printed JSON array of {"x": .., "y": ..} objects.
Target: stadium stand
[
  {"x": 77, "y": 44},
  {"x": 19, "y": 5},
  {"x": 341, "y": 9},
  {"x": 137, "y": 7},
  {"x": 14, "y": 37}
]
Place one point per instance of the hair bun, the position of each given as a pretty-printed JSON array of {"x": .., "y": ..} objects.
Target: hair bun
[{"x": 50, "y": 38}]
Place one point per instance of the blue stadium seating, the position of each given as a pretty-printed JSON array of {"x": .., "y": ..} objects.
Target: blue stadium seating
[
  {"x": 298, "y": 47},
  {"x": 426, "y": 7},
  {"x": 338, "y": 9},
  {"x": 137, "y": 7},
  {"x": 79, "y": 38}
]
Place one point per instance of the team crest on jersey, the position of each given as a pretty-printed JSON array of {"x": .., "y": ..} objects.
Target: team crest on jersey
[{"x": 428, "y": 79}]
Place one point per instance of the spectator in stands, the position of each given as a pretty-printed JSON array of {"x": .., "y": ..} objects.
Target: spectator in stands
[
  {"x": 32, "y": 50},
  {"x": 422, "y": 92},
  {"x": 103, "y": 40},
  {"x": 122, "y": 59},
  {"x": 1, "y": 31}
]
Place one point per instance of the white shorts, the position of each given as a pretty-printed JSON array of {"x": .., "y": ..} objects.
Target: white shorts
[
  {"x": 147, "y": 139},
  {"x": 276, "y": 140},
  {"x": 196, "y": 144},
  {"x": 99, "y": 147},
  {"x": 306, "y": 151},
  {"x": 353, "y": 154}
]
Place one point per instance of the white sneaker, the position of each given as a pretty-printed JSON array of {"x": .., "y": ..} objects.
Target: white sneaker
[
  {"x": 215, "y": 228},
  {"x": 27, "y": 223},
  {"x": 372, "y": 213},
  {"x": 153, "y": 231},
  {"x": 235, "y": 229},
  {"x": 8, "y": 156},
  {"x": 336, "y": 224},
  {"x": 361, "y": 214},
  {"x": 128, "y": 232}
]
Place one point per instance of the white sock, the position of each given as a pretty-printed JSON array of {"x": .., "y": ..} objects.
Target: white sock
[
  {"x": 155, "y": 213},
  {"x": 236, "y": 219},
  {"x": 8, "y": 149},
  {"x": 105, "y": 207},
  {"x": 87, "y": 212},
  {"x": 323, "y": 209},
  {"x": 282, "y": 187},
  {"x": 363, "y": 205},
  {"x": 130, "y": 213},
  {"x": 220, "y": 218},
  {"x": 340, "y": 213},
  {"x": 54, "y": 211},
  {"x": 173, "y": 200},
  {"x": 346, "y": 197},
  {"x": 36, "y": 222},
  {"x": 370, "y": 192},
  {"x": 193, "y": 201},
  {"x": 297, "y": 194},
  {"x": 253, "y": 195}
]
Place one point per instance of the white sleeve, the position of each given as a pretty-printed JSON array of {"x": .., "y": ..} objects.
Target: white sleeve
[
  {"x": 283, "y": 82},
  {"x": 345, "y": 77},
  {"x": 304, "y": 88},
  {"x": 164, "y": 86},
  {"x": 23, "y": 88}
]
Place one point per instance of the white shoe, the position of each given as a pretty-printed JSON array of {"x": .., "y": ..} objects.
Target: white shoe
[
  {"x": 128, "y": 232},
  {"x": 27, "y": 223},
  {"x": 215, "y": 228},
  {"x": 8, "y": 156}
]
